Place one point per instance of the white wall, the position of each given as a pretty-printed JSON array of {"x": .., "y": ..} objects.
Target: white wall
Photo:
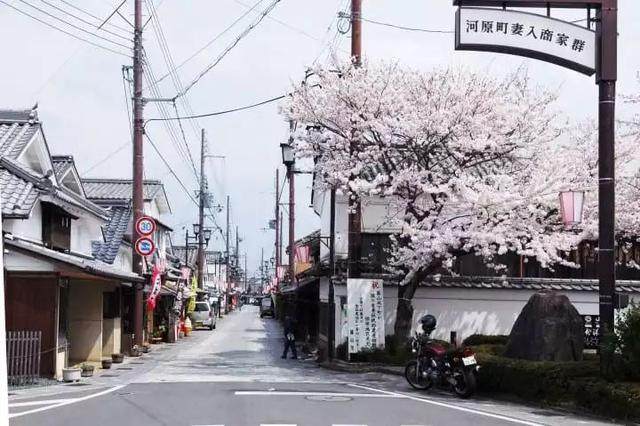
[
  {"x": 85, "y": 229},
  {"x": 26, "y": 228},
  {"x": 465, "y": 311}
]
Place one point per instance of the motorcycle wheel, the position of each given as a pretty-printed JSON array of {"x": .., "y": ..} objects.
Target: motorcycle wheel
[
  {"x": 465, "y": 385},
  {"x": 415, "y": 378}
]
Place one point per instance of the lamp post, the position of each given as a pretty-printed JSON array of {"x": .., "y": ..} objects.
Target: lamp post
[
  {"x": 571, "y": 206},
  {"x": 288, "y": 160}
]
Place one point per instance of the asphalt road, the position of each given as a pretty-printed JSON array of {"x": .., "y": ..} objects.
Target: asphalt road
[{"x": 234, "y": 376}]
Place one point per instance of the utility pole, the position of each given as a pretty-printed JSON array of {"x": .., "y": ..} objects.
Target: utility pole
[
  {"x": 262, "y": 268},
  {"x": 201, "y": 201},
  {"x": 355, "y": 210},
  {"x": 228, "y": 273},
  {"x": 292, "y": 220},
  {"x": 245, "y": 271},
  {"x": 138, "y": 168},
  {"x": 277, "y": 213},
  {"x": 237, "y": 248},
  {"x": 331, "y": 323}
]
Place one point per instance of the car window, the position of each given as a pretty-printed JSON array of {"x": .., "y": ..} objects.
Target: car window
[
  {"x": 201, "y": 307},
  {"x": 266, "y": 302}
]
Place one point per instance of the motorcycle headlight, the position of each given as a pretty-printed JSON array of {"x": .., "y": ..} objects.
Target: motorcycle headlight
[{"x": 414, "y": 350}]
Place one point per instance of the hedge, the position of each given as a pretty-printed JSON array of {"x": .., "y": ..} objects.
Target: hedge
[
  {"x": 485, "y": 339},
  {"x": 573, "y": 384}
]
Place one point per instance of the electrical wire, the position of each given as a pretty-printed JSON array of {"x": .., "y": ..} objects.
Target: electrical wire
[
  {"x": 213, "y": 40},
  {"x": 99, "y": 19},
  {"x": 57, "y": 18},
  {"x": 212, "y": 114},
  {"x": 401, "y": 27},
  {"x": 229, "y": 48},
  {"x": 85, "y": 21},
  {"x": 77, "y": 37}
]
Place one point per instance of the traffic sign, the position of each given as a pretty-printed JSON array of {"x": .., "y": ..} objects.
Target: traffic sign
[
  {"x": 146, "y": 225},
  {"x": 145, "y": 246}
]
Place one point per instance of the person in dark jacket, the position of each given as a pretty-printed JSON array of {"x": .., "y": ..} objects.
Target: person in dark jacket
[{"x": 289, "y": 338}]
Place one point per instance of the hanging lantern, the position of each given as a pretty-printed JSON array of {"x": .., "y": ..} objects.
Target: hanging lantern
[{"x": 571, "y": 205}]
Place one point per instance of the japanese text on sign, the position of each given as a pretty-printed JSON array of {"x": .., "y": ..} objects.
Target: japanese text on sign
[
  {"x": 526, "y": 34},
  {"x": 365, "y": 302}
]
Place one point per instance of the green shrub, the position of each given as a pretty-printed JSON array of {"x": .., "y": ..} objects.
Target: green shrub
[
  {"x": 619, "y": 400},
  {"x": 628, "y": 341},
  {"x": 484, "y": 339},
  {"x": 395, "y": 352}
]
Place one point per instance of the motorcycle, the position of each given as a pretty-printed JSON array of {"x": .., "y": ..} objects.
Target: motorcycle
[{"x": 453, "y": 369}]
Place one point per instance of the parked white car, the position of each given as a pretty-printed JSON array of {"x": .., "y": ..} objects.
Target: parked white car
[{"x": 203, "y": 316}]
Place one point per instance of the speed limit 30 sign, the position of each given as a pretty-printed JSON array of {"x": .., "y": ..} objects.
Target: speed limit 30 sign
[{"x": 145, "y": 225}]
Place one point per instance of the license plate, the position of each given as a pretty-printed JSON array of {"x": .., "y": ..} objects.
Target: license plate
[{"x": 469, "y": 360}]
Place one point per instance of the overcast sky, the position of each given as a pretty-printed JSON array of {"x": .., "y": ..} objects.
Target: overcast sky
[{"x": 81, "y": 98}]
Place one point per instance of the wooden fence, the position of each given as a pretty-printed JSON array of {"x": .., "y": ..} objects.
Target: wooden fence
[{"x": 23, "y": 357}]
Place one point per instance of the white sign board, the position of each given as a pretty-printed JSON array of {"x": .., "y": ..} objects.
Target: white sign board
[
  {"x": 365, "y": 314},
  {"x": 526, "y": 34}
]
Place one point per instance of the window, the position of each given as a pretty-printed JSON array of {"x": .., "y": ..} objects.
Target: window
[
  {"x": 56, "y": 227},
  {"x": 202, "y": 307}
]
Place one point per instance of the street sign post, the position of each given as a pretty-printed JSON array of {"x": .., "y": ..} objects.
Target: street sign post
[
  {"x": 145, "y": 246},
  {"x": 606, "y": 56},
  {"x": 146, "y": 226}
]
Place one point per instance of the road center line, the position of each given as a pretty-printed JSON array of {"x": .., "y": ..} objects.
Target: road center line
[
  {"x": 67, "y": 402},
  {"x": 301, "y": 393},
  {"x": 451, "y": 406}
]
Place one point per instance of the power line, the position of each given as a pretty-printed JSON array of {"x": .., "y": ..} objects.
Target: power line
[
  {"x": 212, "y": 114},
  {"x": 242, "y": 35},
  {"x": 213, "y": 40},
  {"x": 84, "y": 20},
  {"x": 77, "y": 37},
  {"x": 99, "y": 19},
  {"x": 166, "y": 163},
  {"x": 57, "y": 18},
  {"x": 401, "y": 27}
]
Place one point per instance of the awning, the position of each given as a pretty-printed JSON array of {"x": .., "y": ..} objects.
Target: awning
[{"x": 86, "y": 265}]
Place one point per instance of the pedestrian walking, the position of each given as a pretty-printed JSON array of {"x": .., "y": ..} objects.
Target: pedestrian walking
[{"x": 289, "y": 338}]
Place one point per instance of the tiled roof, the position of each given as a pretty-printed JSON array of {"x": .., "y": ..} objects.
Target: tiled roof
[
  {"x": 558, "y": 284},
  {"x": 178, "y": 251},
  {"x": 114, "y": 233},
  {"x": 90, "y": 266},
  {"x": 17, "y": 128},
  {"x": 61, "y": 163},
  {"x": 118, "y": 189},
  {"x": 18, "y": 195}
]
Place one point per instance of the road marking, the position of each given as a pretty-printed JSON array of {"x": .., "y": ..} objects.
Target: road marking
[
  {"x": 40, "y": 402},
  {"x": 67, "y": 402},
  {"x": 451, "y": 406},
  {"x": 294, "y": 393},
  {"x": 275, "y": 424}
]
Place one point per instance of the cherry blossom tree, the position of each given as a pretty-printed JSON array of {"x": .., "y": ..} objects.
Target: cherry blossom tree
[{"x": 474, "y": 163}]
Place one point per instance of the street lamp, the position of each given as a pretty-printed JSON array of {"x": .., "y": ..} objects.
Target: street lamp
[
  {"x": 196, "y": 228},
  {"x": 207, "y": 235},
  {"x": 571, "y": 206},
  {"x": 287, "y": 154}
]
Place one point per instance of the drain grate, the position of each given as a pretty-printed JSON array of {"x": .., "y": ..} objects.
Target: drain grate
[
  {"x": 78, "y": 384},
  {"x": 110, "y": 375},
  {"x": 137, "y": 363},
  {"x": 124, "y": 368}
]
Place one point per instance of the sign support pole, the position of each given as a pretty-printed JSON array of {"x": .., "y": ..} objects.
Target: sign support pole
[{"x": 606, "y": 77}]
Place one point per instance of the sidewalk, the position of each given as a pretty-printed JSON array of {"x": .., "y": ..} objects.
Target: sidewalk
[{"x": 362, "y": 367}]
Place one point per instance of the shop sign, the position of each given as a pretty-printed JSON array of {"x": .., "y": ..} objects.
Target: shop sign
[
  {"x": 365, "y": 314},
  {"x": 526, "y": 34},
  {"x": 156, "y": 285},
  {"x": 145, "y": 246},
  {"x": 145, "y": 226}
]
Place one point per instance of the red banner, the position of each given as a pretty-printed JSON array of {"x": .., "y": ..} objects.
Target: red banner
[{"x": 156, "y": 285}]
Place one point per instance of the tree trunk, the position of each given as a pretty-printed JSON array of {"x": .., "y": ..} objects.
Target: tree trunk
[{"x": 404, "y": 311}]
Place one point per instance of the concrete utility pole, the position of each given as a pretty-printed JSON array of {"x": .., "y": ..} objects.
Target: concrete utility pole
[
  {"x": 245, "y": 271},
  {"x": 228, "y": 272},
  {"x": 355, "y": 211},
  {"x": 237, "y": 255},
  {"x": 292, "y": 220},
  {"x": 201, "y": 201},
  {"x": 262, "y": 267},
  {"x": 138, "y": 167},
  {"x": 277, "y": 212}
]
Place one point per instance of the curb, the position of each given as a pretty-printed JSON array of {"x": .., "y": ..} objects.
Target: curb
[{"x": 359, "y": 368}]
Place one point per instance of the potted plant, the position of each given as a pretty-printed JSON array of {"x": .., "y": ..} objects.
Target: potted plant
[
  {"x": 87, "y": 370},
  {"x": 117, "y": 358},
  {"x": 136, "y": 351},
  {"x": 106, "y": 363},
  {"x": 71, "y": 374},
  {"x": 145, "y": 348}
]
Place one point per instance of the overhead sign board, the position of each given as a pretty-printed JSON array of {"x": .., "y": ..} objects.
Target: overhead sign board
[
  {"x": 365, "y": 314},
  {"x": 145, "y": 246},
  {"x": 526, "y": 34},
  {"x": 145, "y": 225}
]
